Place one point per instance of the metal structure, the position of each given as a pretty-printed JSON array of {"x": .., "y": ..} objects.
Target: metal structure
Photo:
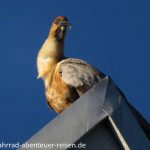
[{"x": 101, "y": 118}]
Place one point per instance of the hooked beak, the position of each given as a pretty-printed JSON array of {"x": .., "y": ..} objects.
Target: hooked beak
[{"x": 65, "y": 23}]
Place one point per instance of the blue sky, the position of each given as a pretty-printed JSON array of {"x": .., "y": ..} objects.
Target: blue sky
[{"x": 114, "y": 36}]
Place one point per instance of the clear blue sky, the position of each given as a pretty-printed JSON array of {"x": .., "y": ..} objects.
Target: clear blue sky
[{"x": 114, "y": 36}]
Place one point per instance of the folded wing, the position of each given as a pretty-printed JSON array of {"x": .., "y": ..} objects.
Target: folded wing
[{"x": 79, "y": 74}]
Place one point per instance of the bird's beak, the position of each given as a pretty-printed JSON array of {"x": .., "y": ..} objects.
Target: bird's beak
[
  {"x": 65, "y": 23},
  {"x": 61, "y": 30}
]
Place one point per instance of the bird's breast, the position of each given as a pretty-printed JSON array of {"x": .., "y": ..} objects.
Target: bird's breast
[
  {"x": 49, "y": 55},
  {"x": 45, "y": 65}
]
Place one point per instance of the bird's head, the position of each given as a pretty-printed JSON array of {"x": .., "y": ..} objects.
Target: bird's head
[{"x": 59, "y": 27}]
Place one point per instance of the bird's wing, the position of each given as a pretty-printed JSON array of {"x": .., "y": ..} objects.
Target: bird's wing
[{"x": 78, "y": 73}]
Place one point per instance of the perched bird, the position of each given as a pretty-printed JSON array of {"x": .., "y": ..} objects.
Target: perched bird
[{"x": 65, "y": 79}]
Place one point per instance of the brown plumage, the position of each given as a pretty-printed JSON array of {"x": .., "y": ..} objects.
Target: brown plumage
[{"x": 65, "y": 79}]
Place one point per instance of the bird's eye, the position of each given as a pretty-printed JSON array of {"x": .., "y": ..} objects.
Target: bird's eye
[{"x": 56, "y": 21}]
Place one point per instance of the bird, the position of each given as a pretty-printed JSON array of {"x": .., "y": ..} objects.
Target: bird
[{"x": 65, "y": 79}]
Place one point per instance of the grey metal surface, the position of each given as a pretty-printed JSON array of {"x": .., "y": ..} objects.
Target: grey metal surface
[
  {"x": 100, "y": 138},
  {"x": 102, "y": 100}
]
